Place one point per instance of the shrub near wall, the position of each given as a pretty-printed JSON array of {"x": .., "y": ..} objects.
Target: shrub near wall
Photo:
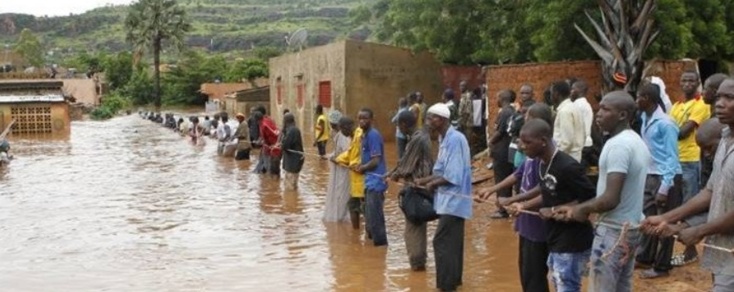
[{"x": 111, "y": 104}]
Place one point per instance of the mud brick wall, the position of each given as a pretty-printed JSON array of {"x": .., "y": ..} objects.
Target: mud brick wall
[{"x": 540, "y": 76}]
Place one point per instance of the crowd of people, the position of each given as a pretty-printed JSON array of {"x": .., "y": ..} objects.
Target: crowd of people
[
  {"x": 661, "y": 174},
  {"x": 601, "y": 192}
]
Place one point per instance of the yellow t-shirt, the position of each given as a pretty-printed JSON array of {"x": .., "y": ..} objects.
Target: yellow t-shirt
[
  {"x": 693, "y": 110},
  {"x": 416, "y": 108},
  {"x": 325, "y": 130},
  {"x": 353, "y": 157}
]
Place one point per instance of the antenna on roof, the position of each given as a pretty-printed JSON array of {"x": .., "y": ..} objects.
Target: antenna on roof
[{"x": 297, "y": 39}]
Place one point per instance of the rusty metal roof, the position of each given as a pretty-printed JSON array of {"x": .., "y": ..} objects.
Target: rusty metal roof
[{"x": 7, "y": 86}]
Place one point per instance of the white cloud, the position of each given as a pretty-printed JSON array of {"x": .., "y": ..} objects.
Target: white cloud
[{"x": 55, "y": 7}]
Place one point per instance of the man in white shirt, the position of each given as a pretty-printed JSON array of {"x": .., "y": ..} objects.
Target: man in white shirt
[
  {"x": 568, "y": 128},
  {"x": 579, "y": 89}
]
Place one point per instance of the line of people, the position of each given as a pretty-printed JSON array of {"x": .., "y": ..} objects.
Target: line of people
[
  {"x": 647, "y": 191},
  {"x": 279, "y": 147}
]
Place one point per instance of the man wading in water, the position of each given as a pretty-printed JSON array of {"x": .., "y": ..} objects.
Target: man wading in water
[
  {"x": 619, "y": 195},
  {"x": 351, "y": 159},
  {"x": 451, "y": 180},
  {"x": 321, "y": 131},
  {"x": 373, "y": 162},
  {"x": 417, "y": 163},
  {"x": 292, "y": 151}
]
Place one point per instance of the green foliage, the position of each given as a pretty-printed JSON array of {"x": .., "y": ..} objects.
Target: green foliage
[
  {"x": 118, "y": 70},
  {"x": 29, "y": 47},
  {"x": 111, "y": 104},
  {"x": 265, "y": 53},
  {"x": 101, "y": 113},
  {"x": 234, "y": 25},
  {"x": 140, "y": 87},
  {"x": 151, "y": 22},
  {"x": 183, "y": 81},
  {"x": 477, "y": 31},
  {"x": 247, "y": 70}
]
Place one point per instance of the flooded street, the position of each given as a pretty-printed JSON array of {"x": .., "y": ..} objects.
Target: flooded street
[{"x": 127, "y": 205}]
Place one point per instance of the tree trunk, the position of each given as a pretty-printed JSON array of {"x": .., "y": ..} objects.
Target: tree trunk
[{"x": 157, "y": 77}]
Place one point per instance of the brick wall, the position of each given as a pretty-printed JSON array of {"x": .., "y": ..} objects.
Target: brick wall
[{"x": 541, "y": 75}]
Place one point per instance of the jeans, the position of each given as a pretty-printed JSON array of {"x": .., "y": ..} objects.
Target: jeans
[
  {"x": 567, "y": 269},
  {"x": 691, "y": 179},
  {"x": 723, "y": 283},
  {"x": 402, "y": 143},
  {"x": 375, "y": 216},
  {"x": 613, "y": 259}
]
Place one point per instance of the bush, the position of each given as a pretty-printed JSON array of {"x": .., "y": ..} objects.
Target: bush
[
  {"x": 111, "y": 104},
  {"x": 101, "y": 113},
  {"x": 115, "y": 102}
]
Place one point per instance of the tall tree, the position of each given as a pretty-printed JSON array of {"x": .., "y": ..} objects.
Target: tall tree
[
  {"x": 149, "y": 24},
  {"x": 29, "y": 47}
]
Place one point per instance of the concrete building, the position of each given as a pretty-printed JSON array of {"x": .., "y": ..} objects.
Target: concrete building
[
  {"x": 38, "y": 107},
  {"x": 218, "y": 91},
  {"x": 242, "y": 101},
  {"x": 349, "y": 75}
]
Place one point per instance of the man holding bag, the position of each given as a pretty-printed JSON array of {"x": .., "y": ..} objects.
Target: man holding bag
[{"x": 417, "y": 163}]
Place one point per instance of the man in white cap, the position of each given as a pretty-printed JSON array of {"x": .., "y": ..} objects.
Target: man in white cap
[
  {"x": 338, "y": 189},
  {"x": 451, "y": 179}
]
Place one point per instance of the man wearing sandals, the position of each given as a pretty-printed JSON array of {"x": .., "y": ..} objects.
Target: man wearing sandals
[
  {"x": 663, "y": 183},
  {"x": 619, "y": 195},
  {"x": 717, "y": 198}
]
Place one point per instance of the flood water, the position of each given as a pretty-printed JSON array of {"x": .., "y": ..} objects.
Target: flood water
[{"x": 127, "y": 205}]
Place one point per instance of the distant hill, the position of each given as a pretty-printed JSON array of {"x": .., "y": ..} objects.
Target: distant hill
[{"x": 218, "y": 25}]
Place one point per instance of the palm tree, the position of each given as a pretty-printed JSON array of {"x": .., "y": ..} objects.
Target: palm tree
[{"x": 151, "y": 22}]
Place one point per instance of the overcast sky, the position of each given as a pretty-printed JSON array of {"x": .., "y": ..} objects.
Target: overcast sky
[{"x": 54, "y": 7}]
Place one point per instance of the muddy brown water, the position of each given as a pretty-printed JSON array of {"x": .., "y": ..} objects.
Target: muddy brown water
[{"x": 127, "y": 205}]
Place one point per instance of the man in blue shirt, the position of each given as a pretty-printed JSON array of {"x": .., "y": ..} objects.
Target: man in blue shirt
[
  {"x": 373, "y": 164},
  {"x": 663, "y": 183},
  {"x": 451, "y": 180}
]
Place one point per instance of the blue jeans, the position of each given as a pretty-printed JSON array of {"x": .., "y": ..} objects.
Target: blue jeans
[
  {"x": 613, "y": 259},
  {"x": 691, "y": 179},
  {"x": 567, "y": 269},
  {"x": 374, "y": 216}
]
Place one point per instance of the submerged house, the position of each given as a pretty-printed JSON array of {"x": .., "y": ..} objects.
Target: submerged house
[{"x": 36, "y": 106}]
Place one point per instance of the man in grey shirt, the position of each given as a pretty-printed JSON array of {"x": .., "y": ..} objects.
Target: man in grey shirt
[{"x": 717, "y": 198}]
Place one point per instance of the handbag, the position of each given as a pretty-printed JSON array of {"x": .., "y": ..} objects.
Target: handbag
[{"x": 417, "y": 205}]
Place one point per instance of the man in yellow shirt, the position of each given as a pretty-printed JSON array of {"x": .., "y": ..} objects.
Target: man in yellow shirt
[
  {"x": 321, "y": 131},
  {"x": 688, "y": 114},
  {"x": 415, "y": 108},
  {"x": 352, "y": 159}
]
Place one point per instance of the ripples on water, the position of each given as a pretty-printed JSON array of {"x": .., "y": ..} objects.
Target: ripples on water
[{"x": 126, "y": 205}]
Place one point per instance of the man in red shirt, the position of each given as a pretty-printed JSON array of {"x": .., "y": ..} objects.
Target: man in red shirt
[{"x": 270, "y": 143}]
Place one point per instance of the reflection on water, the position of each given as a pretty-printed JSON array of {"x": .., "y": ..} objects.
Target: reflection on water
[{"x": 126, "y": 205}]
